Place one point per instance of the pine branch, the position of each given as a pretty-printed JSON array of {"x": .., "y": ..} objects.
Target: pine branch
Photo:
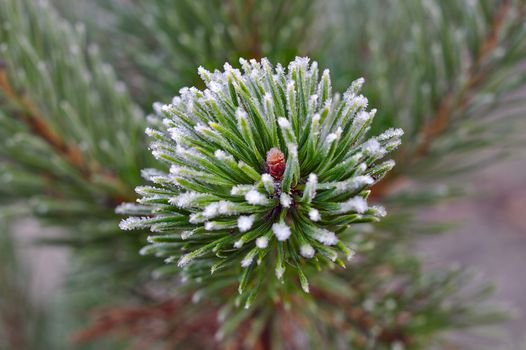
[
  {"x": 247, "y": 192},
  {"x": 37, "y": 123},
  {"x": 232, "y": 190},
  {"x": 33, "y": 118},
  {"x": 455, "y": 101},
  {"x": 74, "y": 123}
]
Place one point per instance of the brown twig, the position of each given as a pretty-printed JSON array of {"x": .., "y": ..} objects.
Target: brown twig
[
  {"x": 453, "y": 100},
  {"x": 32, "y": 117},
  {"x": 166, "y": 322},
  {"x": 251, "y": 42}
]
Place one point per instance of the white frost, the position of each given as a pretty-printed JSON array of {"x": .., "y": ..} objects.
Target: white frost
[
  {"x": 391, "y": 133},
  {"x": 222, "y": 155},
  {"x": 307, "y": 251},
  {"x": 311, "y": 186},
  {"x": 196, "y": 218},
  {"x": 284, "y": 123},
  {"x": 211, "y": 210},
  {"x": 247, "y": 260},
  {"x": 267, "y": 178},
  {"x": 360, "y": 101},
  {"x": 285, "y": 200},
  {"x": 200, "y": 128},
  {"x": 255, "y": 198},
  {"x": 215, "y": 87},
  {"x": 245, "y": 222},
  {"x": 362, "y": 180},
  {"x": 373, "y": 148},
  {"x": 262, "y": 242},
  {"x": 280, "y": 270},
  {"x": 334, "y": 136},
  {"x": 241, "y": 114},
  {"x": 268, "y": 182},
  {"x": 210, "y": 226},
  {"x": 281, "y": 230},
  {"x": 313, "y": 179},
  {"x": 130, "y": 223},
  {"x": 326, "y": 237},
  {"x": 226, "y": 208},
  {"x": 185, "y": 259},
  {"x": 240, "y": 190},
  {"x": 379, "y": 210},
  {"x": 314, "y": 214},
  {"x": 185, "y": 200},
  {"x": 357, "y": 204}
]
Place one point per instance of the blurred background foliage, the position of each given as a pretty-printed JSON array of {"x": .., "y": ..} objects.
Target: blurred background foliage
[{"x": 77, "y": 80}]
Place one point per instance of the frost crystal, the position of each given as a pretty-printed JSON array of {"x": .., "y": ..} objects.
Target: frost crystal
[
  {"x": 285, "y": 200},
  {"x": 357, "y": 204},
  {"x": 247, "y": 261},
  {"x": 379, "y": 210},
  {"x": 284, "y": 123},
  {"x": 307, "y": 251},
  {"x": 184, "y": 260},
  {"x": 268, "y": 182},
  {"x": 262, "y": 242},
  {"x": 209, "y": 226},
  {"x": 334, "y": 136},
  {"x": 255, "y": 198},
  {"x": 185, "y": 200},
  {"x": 279, "y": 272},
  {"x": 390, "y": 133},
  {"x": 241, "y": 190},
  {"x": 211, "y": 210},
  {"x": 129, "y": 223},
  {"x": 245, "y": 222},
  {"x": 326, "y": 237},
  {"x": 314, "y": 214},
  {"x": 281, "y": 230},
  {"x": 222, "y": 155},
  {"x": 373, "y": 148}
]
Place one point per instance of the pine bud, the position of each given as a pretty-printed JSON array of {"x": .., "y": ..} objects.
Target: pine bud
[{"x": 276, "y": 163}]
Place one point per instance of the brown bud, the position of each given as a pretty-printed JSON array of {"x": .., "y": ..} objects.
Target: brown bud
[{"x": 276, "y": 163}]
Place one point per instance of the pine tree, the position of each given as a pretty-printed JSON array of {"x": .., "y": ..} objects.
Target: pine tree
[{"x": 269, "y": 174}]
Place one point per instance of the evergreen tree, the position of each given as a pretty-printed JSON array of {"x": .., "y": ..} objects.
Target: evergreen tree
[{"x": 269, "y": 174}]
